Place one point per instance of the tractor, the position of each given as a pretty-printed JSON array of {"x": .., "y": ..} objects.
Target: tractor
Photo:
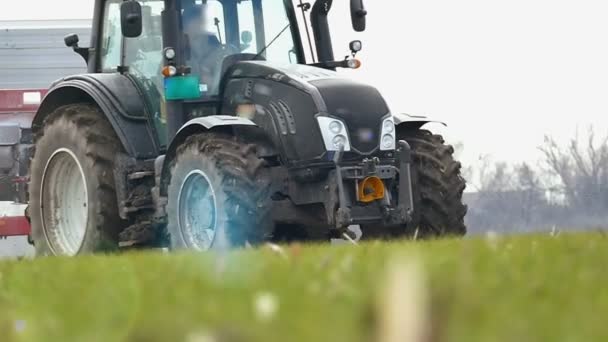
[{"x": 214, "y": 124}]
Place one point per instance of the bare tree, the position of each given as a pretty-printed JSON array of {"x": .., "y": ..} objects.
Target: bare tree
[
  {"x": 581, "y": 169},
  {"x": 533, "y": 201},
  {"x": 506, "y": 197},
  {"x": 568, "y": 191}
]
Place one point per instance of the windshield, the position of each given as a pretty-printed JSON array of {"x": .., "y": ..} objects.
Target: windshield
[{"x": 216, "y": 29}]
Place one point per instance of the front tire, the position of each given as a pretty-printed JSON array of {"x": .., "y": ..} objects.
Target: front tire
[
  {"x": 218, "y": 195},
  {"x": 437, "y": 188},
  {"x": 437, "y": 185},
  {"x": 73, "y": 206}
]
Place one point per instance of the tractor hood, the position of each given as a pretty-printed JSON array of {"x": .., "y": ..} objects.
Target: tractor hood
[{"x": 360, "y": 106}]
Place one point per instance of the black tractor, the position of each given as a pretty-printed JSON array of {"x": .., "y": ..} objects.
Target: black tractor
[{"x": 223, "y": 123}]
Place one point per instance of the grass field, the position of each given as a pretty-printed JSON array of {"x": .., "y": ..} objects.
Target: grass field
[{"x": 527, "y": 288}]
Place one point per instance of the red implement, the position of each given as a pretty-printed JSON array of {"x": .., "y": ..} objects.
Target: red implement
[
  {"x": 14, "y": 226},
  {"x": 20, "y": 100},
  {"x": 18, "y": 106}
]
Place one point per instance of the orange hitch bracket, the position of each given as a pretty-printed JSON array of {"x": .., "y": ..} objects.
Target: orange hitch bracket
[{"x": 370, "y": 189}]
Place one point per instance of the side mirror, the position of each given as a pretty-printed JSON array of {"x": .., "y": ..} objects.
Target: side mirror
[
  {"x": 358, "y": 15},
  {"x": 131, "y": 19},
  {"x": 71, "y": 40}
]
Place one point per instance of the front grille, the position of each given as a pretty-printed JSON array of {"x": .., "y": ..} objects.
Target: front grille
[
  {"x": 364, "y": 136},
  {"x": 360, "y": 106}
]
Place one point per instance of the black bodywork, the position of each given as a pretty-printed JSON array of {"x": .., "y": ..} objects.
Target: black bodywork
[{"x": 288, "y": 100}]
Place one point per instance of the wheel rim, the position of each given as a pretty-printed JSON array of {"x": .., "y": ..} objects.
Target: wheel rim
[
  {"x": 64, "y": 202},
  {"x": 197, "y": 211}
]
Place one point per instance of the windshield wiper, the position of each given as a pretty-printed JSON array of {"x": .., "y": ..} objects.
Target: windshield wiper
[
  {"x": 219, "y": 32},
  {"x": 272, "y": 41}
]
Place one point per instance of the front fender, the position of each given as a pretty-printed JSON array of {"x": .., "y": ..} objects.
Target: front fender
[
  {"x": 194, "y": 126},
  {"x": 413, "y": 121},
  {"x": 210, "y": 122}
]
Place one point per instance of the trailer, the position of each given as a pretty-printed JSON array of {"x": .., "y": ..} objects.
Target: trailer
[
  {"x": 32, "y": 57},
  {"x": 17, "y": 108}
]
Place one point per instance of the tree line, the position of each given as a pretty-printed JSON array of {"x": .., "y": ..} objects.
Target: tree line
[{"x": 568, "y": 189}]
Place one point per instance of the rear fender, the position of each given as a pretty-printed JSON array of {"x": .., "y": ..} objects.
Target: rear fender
[{"x": 117, "y": 97}]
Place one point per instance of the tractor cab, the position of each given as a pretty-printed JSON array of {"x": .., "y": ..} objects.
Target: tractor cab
[{"x": 182, "y": 50}]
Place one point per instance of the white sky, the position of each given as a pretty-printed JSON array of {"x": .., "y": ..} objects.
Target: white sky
[{"x": 500, "y": 73}]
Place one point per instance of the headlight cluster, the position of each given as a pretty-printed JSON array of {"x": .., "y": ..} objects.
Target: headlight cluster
[
  {"x": 335, "y": 134},
  {"x": 388, "y": 140}
]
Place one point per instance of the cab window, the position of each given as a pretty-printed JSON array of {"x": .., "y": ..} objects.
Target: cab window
[
  {"x": 214, "y": 30},
  {"x": 277, "y": 27},
  {"x": 111, "y": 39},
  {"x": 143, "y": 56},
  {"x": 247, "y": 31}
]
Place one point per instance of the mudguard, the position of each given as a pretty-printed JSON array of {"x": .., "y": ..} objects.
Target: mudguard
[
  {"x": 194, "y": 126},
  {"x": 413, "y": 121},
  {"x": 118, "y": 98},
  {"x": 209, "y": 122}
]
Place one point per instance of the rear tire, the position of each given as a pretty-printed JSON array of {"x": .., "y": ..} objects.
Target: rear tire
[
  {"x": 218, "y": 195},
  {"x": 73, "y": 206}
]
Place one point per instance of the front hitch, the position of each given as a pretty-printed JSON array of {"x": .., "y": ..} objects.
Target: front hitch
[
  {"x": 343, "y": 217},
  {"x": 406, "y": 199},
  {"x": 401, "y": 213}
]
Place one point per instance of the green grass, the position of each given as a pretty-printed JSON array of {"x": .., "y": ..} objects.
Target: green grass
[{"x": 529, "y": 288}]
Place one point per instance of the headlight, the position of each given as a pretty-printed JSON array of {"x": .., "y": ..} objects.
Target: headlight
[
  {"x": 339, "y": 141},
  {"x": 335, "y": 127},
  {"x": 335, "y": 134},
  {"x": 169, "y": 53},
  {"x": 356, "y": 46},
  {"x": 388, "y": 126},
  {"x": 388, "y": 140}
]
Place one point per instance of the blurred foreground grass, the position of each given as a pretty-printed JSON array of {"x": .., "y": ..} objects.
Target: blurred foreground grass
[{"x": 529, "y": 288}]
